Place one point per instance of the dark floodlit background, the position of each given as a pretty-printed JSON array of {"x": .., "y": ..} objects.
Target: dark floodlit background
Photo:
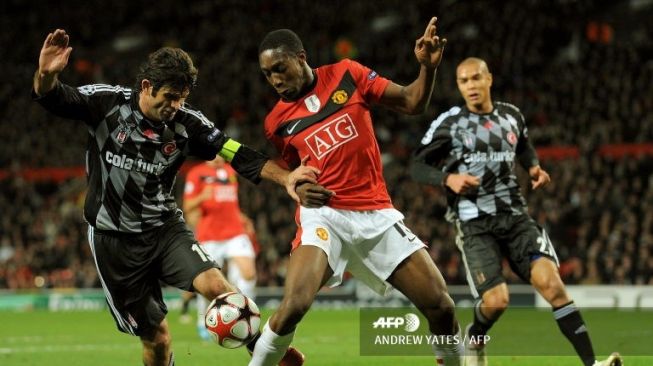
[{"x": 581, "y": 72}]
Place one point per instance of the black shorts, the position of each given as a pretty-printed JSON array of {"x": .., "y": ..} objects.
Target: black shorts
[
  {"x": 485, "y": 241},
  {"x": 130, "y": 267}
]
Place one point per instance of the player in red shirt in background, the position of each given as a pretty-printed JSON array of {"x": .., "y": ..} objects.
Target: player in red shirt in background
[
  {"x": 324, "y": 116},
  {"x": 211, "y": 209}
]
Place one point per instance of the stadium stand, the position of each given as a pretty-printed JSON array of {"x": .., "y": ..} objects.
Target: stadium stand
[{"x": 581, "y": 71}]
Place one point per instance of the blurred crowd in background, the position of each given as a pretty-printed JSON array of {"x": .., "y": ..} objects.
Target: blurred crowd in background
[{"x": 581, "y": 72}]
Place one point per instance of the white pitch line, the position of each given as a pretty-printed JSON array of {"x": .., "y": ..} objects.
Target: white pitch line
[{"x": 66, "y": 348}]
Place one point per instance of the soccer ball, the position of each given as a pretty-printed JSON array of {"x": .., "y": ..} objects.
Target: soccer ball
[{"x": 232, "y": 319}]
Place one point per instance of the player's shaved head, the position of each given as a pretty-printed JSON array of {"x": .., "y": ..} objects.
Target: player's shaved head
[
  {"x": 474, "y": 82},
  {"x": 475, "y": 61}
]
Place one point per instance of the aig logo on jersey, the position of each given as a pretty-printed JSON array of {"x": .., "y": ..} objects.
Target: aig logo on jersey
[{"x": 331, "y": 135}]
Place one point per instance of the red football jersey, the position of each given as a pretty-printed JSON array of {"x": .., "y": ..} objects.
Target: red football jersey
[
  {"x": 332, "y": 125},
  {"x": 220, "y": 218}
]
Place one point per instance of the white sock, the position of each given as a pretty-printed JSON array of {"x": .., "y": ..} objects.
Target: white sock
[
  {"x": 270, "y": 347},
  {"x": 202, "y": 304},
  {"x": 247, "y": 287},
  {"x": 449, "y": 353}
]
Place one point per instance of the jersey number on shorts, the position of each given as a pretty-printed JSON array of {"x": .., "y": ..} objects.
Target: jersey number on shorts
[
  {"x": 204, "y": 255},
  {"x": 546, "y": 247}
]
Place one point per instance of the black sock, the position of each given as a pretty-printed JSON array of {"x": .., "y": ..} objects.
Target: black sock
[
  {"x": 481, "y": 323},
  {"x": 572, "y": 326},
  {"x": 252, "y": 344}
]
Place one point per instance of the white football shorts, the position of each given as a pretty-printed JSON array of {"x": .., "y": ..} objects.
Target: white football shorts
[
  {"x": 367, "y": 244},
  {"x": 221, "y": 250}
]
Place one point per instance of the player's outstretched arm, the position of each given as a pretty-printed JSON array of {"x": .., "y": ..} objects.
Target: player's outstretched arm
[
  {"x": 414, "y": 98},
  {"x": 52, "y": 60}
]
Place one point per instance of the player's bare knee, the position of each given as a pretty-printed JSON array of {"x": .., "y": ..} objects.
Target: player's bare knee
[
  {"x": 441, "y": 315},
  {"x": 555, "y": 293},
  {"x": 550, "y": 287},
  {"x": 211, "y": 283},
  {"x": 215, "y": 289},
  {"x": 497, "y": 302},
  {"x": 248, "y": 275},
  {"x": 158, "y": 342}
]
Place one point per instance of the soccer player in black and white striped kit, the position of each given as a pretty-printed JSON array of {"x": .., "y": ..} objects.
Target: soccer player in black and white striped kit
[
  {"x": 471, "y": 151},
  {"x": 137, "y": 141}
]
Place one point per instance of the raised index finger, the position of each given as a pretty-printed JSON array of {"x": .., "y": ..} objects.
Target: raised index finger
[{"x": 431, "y": 25}]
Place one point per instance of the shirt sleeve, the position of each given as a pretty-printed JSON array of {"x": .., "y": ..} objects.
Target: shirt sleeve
[
  {"x": 370, "y": 84},
  {"x": 526, "y": 153},
  {"x": 206, "y": 141},
  {"x": 429, "y": 160},
  {"x": 87, "y": 103}
]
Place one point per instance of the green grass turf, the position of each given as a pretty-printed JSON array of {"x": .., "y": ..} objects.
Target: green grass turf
[{"x": 327, "y": 337}]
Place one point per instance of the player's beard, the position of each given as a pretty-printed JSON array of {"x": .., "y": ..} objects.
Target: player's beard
[{"x": 166, "y": 115}]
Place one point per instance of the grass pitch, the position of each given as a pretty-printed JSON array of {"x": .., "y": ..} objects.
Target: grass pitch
[{"x": 327, "y": 337}]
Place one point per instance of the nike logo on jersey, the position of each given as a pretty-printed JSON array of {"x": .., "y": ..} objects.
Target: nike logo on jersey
[{"x": 291, "y": 128}]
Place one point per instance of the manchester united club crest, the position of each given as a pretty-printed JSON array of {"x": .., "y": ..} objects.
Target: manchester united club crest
[
  {"x": 322, "y": 233},
  {"x": 512, "y": 138},
  {"x": 340, "y": 97},
  {"x": 168, "y": 148}
]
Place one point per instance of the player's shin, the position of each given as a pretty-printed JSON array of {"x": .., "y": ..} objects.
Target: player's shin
[
  {"x": 481, "y": 324},
  {"x": 270, "y": 347}
]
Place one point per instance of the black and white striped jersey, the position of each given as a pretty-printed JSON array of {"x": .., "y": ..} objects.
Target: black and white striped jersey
[
  {"x": 131, "y": 162},
  {"x": 485, "y": 146}
]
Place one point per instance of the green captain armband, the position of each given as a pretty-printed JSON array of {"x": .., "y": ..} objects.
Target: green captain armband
[{"x": 229, "y": 150}]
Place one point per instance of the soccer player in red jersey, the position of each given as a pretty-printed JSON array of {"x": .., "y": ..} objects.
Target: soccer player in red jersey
[
  {"x": 211, "y": 208},
  {"x": 324, "y": 116}
]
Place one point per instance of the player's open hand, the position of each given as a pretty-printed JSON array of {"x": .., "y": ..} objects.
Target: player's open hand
[
  {"x": 313, "y": 195},
  {"x": 429, "y": 47},
  {"x": 539, "y": 177},
  {"x": 55, "y": 53},
  {"x": 462, "y": 183}
]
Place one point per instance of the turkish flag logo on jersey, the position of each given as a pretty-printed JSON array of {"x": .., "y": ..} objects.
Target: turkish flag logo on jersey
[
  {"x": 512, "y": 138},
  {"x": 331, "y": 135}
]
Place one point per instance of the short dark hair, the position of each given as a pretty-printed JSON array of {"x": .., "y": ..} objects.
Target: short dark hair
[
  {"x": 168, "y": 66},
  {"x": 281, "y": 38}
]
